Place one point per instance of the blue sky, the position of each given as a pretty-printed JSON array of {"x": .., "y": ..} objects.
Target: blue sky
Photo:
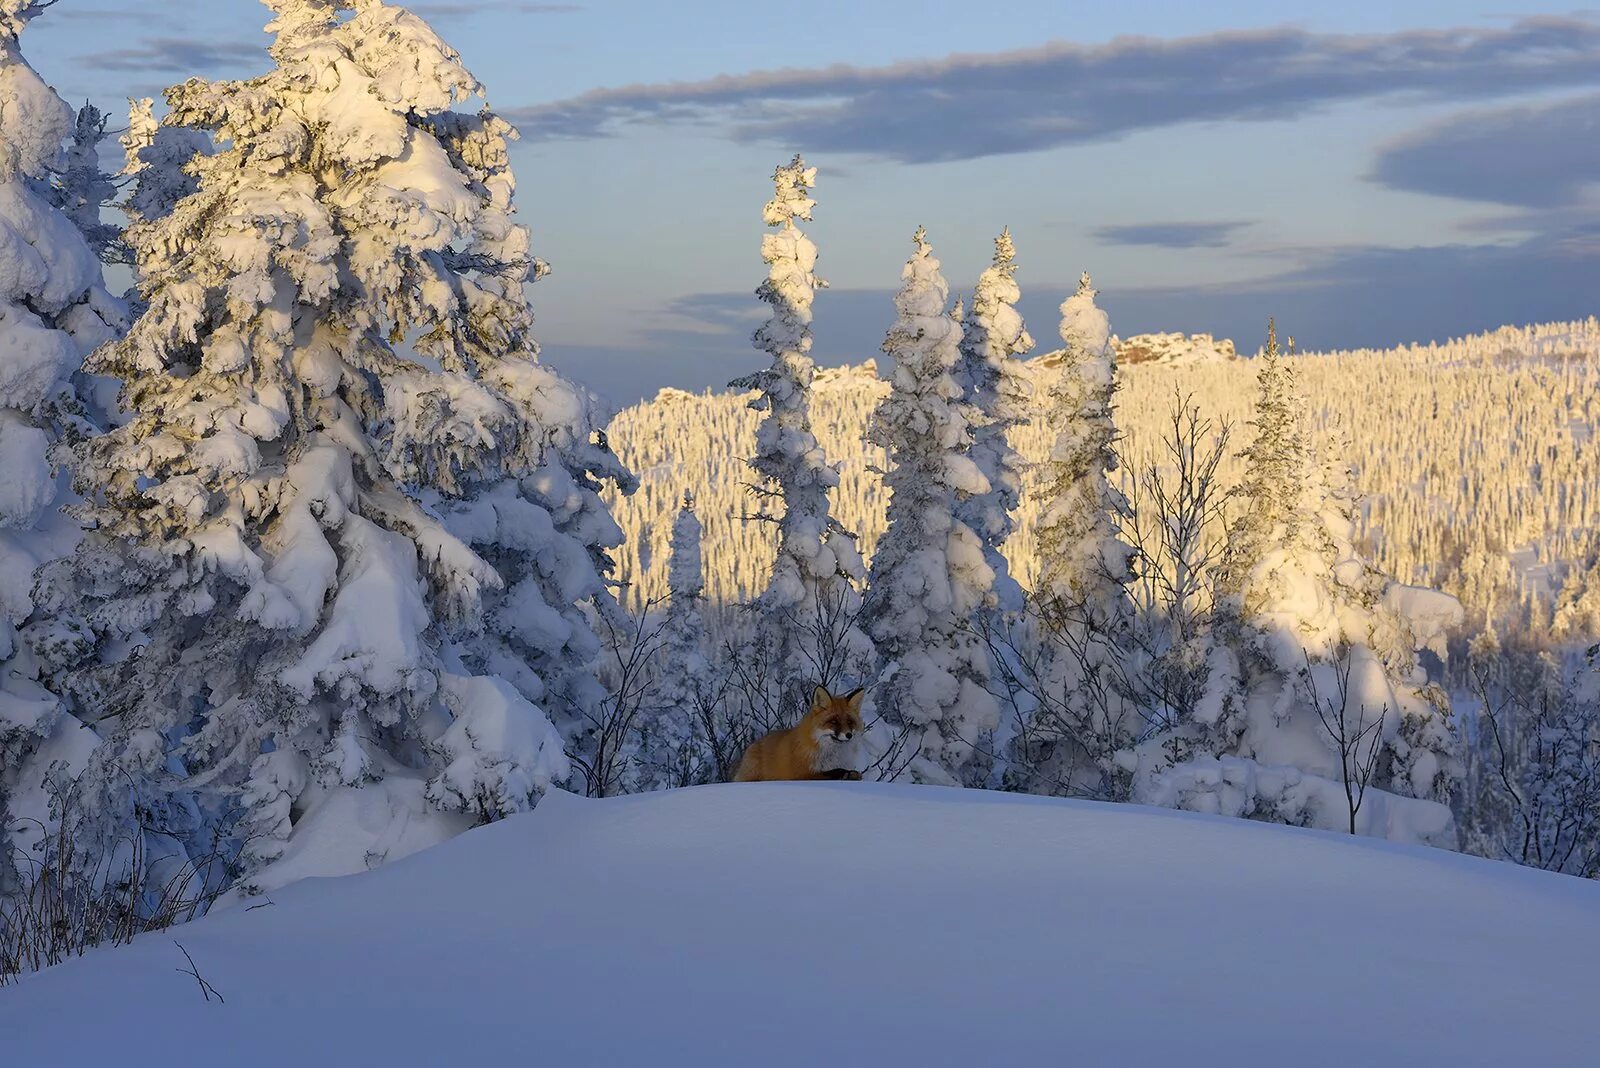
[{"x": 1368, "y": 172}]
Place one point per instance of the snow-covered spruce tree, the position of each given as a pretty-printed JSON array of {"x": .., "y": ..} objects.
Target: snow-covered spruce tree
[
  {"x": 84, "y": 189},
  {"x": 804, "y": 629},
  {"x": 996, "y": 383},
  {"x": 155, "y": 158},
  {"x": 155, "y": 155},
  {"x": 929, "y": 577},
  {"x": 338, "y": 543},
  {"x": 673, "y": 749},
  {"x": 1273, "y": 502},
  {"x": 53, "y": 309},
  {"x": 569, "y": 486},
  {"x": 1275, "y": 462},
  {"x": 1318, "y": 711},
  {"x": 1083, "y": 561},
  {"x": 1081, "y": 717}
]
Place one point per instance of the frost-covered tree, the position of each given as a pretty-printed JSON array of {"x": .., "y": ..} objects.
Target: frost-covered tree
[
  {"x": 1317, "y": 709},
  {"x": 1081, "y": 718},
  {"x": 84, "y": 189},
  {"x": 53, "y": 309},
  {"x": 156, "y": 154},
  {"x": 805, "y": 631},
  {"x": 1083, "y": 561},
  {"x": 339, "y": 543},
  {"x": 1275, "y": 462},
  {"x": 996, "y": 383},
  {"x": 929, "y": 576},
  {"x": 673, "y": 749}
]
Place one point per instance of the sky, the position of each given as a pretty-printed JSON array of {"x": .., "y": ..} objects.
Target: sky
[{"x": 1370, "y": 173}]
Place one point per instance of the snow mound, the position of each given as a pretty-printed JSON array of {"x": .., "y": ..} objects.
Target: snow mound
[{"x": 858, "y": 923}]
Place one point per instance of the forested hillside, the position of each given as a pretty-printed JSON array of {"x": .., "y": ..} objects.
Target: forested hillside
[{"x": 1475, "y": 458}]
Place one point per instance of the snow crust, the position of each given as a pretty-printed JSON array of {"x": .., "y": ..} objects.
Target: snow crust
[{"x": 859, "y": 923}]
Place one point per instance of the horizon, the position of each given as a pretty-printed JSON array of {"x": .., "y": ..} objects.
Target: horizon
[{"x": 1369, "y": 177}]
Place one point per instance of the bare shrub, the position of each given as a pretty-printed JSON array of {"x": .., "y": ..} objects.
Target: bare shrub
[{"x": 71, "y": 901}]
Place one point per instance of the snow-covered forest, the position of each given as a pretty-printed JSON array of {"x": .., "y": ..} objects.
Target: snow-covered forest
[
  {"x": 310, "y": 563},
  {"x": 1473, "y": 455}
]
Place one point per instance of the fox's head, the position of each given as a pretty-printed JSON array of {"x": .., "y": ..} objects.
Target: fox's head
[{"x": 836, "y": 719}]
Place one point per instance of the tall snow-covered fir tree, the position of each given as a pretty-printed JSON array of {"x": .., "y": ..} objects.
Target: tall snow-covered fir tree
[
  {"x": 673, "y": 749},
  {"x": 996, "y": 383},
  {"x": 929, "y": 577},
  {"x": 339, "y": 545},
  {"x": 1318, "y": 711},
  {"x": 84, "y": 189},
  {"x": 1083, "y": 560},
  {"x": 1275, "y": 461},
  {"x": 804, "y": 627},
  {"x": 1081, "y": 720},
  {"x": 53, "y": 309}
]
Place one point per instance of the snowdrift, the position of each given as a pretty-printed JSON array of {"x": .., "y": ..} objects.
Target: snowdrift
[{"x": 856, "y": 923}]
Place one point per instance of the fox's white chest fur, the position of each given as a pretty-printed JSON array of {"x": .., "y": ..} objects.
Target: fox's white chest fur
[{"x": 834, "y": 754}]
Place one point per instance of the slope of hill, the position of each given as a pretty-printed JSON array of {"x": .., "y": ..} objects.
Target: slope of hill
[
  {"x": 824, "y": 923},
  {"x": 1476, "y": 457}
]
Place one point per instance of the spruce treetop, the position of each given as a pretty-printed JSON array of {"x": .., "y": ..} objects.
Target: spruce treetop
[
  {"x": 792, "y": 196},
  {"x": 995, "y": 383},
  {"x": 16, "y": 14}
]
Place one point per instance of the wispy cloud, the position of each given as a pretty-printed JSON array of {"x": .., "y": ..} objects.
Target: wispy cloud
[
  {"x": 1540, "y": 156},
  {"x": 182, "y": 54},
  {"x": 103, "y": 14},
  {"x": 967, "y": 106},
  {"x": 1171, "y": 234},
  {"x": 1329, "y": 297},
  {"x": 469, "y": 8}
]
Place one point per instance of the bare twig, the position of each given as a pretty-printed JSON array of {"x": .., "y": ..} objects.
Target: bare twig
[{"x": 205, "y": 987}]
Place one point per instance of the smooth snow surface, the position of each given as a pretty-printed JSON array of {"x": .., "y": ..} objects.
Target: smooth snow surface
[{"x": 858, "y": 923}]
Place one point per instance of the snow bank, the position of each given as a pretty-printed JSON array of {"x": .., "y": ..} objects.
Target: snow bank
[{"x": 858, "y": 923}]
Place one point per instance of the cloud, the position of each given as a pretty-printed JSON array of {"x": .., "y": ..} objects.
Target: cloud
[
  {"x": 184, "y": 54},
  {"x": 1370, "y": 296},
  {"x": 1340, "y": 297},
  {"x": 471, "y": 8},
  {"x": 1539, "y": 156},
  {"x": 968, "y": 106},
  {"x": 1171, "y": 235},
  {"x": 101, "y": 14}
]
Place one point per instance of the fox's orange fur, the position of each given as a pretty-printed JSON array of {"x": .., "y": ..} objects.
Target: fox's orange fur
[{"x": 821, "y": 746}]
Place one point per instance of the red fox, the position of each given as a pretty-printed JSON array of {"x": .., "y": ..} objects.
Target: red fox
[{"x": 821, "y": 746}]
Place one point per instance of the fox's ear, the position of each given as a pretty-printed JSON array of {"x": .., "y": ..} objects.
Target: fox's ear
[
  {"x": 820, "y": 698},
  {"x": 853, "y": 698}
]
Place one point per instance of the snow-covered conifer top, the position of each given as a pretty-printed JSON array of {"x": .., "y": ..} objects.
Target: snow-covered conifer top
[
  {"x": 791, "y": 197},
  {"x": 686, "y": 576},
  {"x": 1084, "y": 326}
]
